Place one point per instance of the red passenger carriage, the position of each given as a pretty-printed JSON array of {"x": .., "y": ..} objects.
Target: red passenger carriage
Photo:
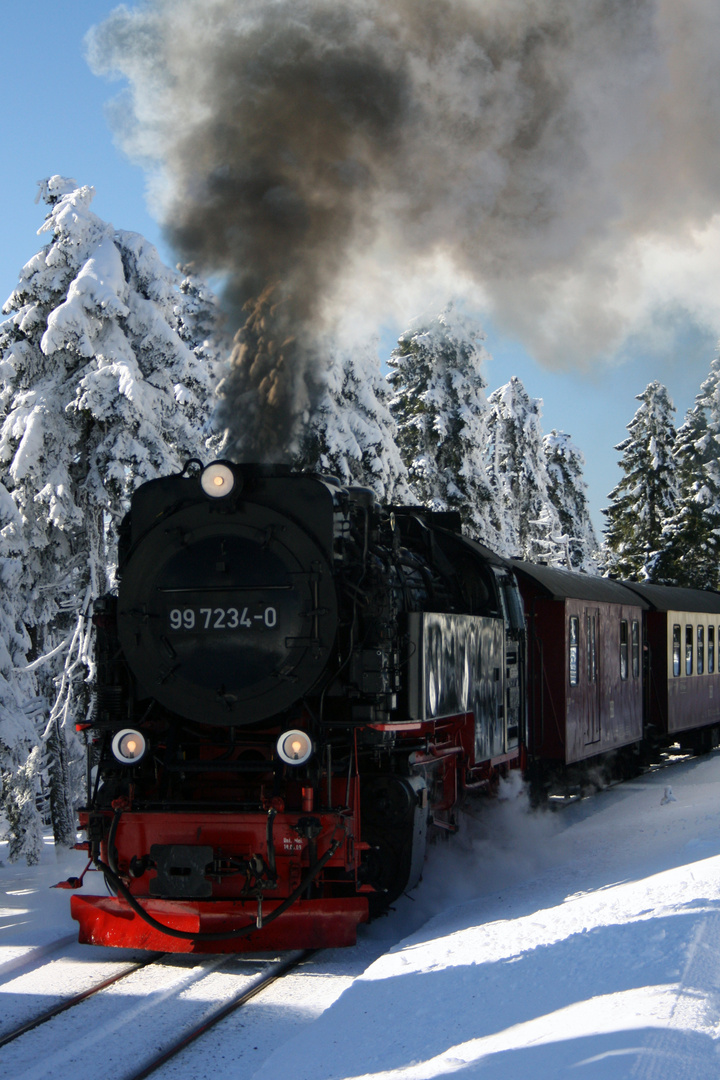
[
  {"x": 585, "y": 672},
  {"x": 683, "y": 686}
]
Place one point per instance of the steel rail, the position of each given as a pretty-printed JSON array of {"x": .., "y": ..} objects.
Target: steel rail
[
  {"x": 277, "y": 972},
  {"x": 68, "y": 1003}
]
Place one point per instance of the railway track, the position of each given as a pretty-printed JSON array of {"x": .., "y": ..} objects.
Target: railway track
[
  {"x": 282, "y": 968},
  {"x": 141, "y": 1016},
  {"x": 71, "y": 1002}
]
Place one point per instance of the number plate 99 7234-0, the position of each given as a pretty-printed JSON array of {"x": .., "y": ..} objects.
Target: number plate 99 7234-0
[{"x": 222, "y": 618}]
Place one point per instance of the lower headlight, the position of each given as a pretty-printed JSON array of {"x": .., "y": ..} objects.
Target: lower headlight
[
  {"x": 295, "y": 747},
  {"x": 129, "y": 746}
]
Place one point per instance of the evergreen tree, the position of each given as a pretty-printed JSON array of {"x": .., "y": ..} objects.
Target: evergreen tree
[
  {"x": 690, "y": 544},
  {"x": 101, "y": 388},
  {"x": 645, "y": 498},
  {"x": 350, "y": 432},
  {"x": 440, "y": 408},
  {"x": 20, "y": 757},
  {"x": 567, "y": 493},
  {"x": 201, "y": 328},
  {"x": 525, "y": 519}
]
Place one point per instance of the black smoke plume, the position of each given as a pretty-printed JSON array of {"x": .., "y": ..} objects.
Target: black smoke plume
[{"x": 321, "y": 154}]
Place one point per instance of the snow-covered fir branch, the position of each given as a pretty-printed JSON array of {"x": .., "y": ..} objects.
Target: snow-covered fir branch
[
  {"x": 351, "y": 432},
  {"x": 107, "y": 377},
  {"x": 440, "y": 409}
]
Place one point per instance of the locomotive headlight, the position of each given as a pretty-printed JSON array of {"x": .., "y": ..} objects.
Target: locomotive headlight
[
  {"x": 295, "y": 747},
  {"x": 217, "y": 480},
  {"x": 129, "y": 746}
]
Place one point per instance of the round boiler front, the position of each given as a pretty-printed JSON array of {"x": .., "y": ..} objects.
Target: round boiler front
[{"x": 226, "y": 618}]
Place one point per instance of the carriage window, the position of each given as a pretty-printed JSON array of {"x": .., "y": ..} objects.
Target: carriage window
[
  {"x": 711, "y": 649},
  {"x": 574, "y": 666},
  {"x": 700, "y": 650},
  {"x": 623, "y": 649},
  {"x": 676, "y": 650},
  {"x": 688, "y": 650},
  {"x": 591, "y": 649},
  {"x": 635, "y": 649}
]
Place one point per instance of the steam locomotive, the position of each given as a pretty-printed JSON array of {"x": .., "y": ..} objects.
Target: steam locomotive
[{"x": 293, "y": 684}]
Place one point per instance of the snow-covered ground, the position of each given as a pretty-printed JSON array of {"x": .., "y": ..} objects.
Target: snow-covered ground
[{"x": 581, "y": 944}]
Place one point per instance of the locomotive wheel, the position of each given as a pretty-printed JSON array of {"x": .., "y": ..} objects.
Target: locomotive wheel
[
  {"x": 386, "y": 867},
  {"x": 389, "y": 823},
  {"x": 388, "y": 802}
]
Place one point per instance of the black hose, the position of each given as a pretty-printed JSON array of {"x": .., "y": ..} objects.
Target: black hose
[
  {"x": 111, "y": 852},
  {"x": 242, "y": 931},
  {"x": 111, "y": 849}
]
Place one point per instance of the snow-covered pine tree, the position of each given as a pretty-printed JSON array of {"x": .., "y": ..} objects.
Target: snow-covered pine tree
[
  {"x": 201, "y": 327},
  {"x": 100, "y": 389},
  {"x": 645, "y": 498},
  {"x": 567, "y": 492},
  {"x": 20, "y": 757},
  {"x": 525, "y": 520},
  {"x": 690, "y": 543},
  {"x": 440, "y": 409},
  {"x": 350, "y": 432}
]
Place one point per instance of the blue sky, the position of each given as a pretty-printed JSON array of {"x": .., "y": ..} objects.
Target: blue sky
[{"x": 54, "y": 122}]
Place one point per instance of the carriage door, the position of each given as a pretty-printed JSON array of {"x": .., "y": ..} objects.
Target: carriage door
[{"x": 592, "y": 704}]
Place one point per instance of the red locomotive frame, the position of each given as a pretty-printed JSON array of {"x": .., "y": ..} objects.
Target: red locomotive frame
[{"x": 325, "y": 919}]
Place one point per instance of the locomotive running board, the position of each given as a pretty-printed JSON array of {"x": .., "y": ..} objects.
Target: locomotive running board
[{"x": 308, "y": 924}]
